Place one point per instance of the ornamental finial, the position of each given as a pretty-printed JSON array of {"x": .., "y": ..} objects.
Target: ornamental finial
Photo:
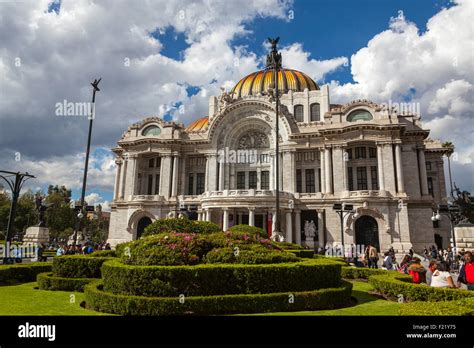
[{"x": 274, "y": 57}]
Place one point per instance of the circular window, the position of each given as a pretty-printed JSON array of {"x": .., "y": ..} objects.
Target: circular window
[
  {"x": 359, "y": 115},
  {"x": 151, "y": 131}
]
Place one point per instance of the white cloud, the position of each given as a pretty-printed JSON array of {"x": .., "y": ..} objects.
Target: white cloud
[{"x": 434, "y": 68}]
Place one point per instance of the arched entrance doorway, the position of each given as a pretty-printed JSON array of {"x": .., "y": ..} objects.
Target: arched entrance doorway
[
  {"x": 367, "y": 231},
  {"x": 142, "y": 224}
]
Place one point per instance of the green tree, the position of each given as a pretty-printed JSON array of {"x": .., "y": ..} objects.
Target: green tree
[{"x": 59, "y": 216}]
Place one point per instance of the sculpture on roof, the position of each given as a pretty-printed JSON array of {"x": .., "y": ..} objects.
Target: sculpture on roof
[{"x": 224, "y": 99}]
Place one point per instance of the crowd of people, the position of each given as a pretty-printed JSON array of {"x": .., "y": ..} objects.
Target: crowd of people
[{"x": 443, "y": 264}]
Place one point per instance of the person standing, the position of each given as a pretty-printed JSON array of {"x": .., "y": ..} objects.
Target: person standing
[
  {"x": 425, "y": 254},
  {"x": 466, "y": 274},
  {"x": 373, "y": 257}
]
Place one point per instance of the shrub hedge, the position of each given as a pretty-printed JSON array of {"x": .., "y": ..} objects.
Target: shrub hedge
[
  {"x": 249, "y": 229},
  {"x": 99, "y": 300},
  {"x": 257, "y": 254},
  {"x": 172, "y": 249},
  {"x": 103, "y": 253},
  {"x": 304, "y": 254},
  {"x": 46, "y": 281},
  {"x": 451, "y": 308},
  {"x": 393, "y": 284},
  {"x": 348, "y": 272},
  {"x": 180, "y": 225},
  {"x": 24, "y": 272},
  {"x": 219, "y": 279},
  {"x": 78, "y": 266}
]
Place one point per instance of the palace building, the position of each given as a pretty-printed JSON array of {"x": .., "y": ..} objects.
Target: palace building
[{"x": 221, "y": 168}]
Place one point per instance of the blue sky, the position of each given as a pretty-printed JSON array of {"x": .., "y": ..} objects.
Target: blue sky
[{"x": 63, "y": 45}]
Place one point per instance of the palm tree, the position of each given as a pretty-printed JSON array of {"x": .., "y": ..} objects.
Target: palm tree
[{"x": 448, "y": 151}]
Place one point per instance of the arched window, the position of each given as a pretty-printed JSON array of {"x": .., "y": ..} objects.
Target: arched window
[
  {"x": 315, "y": 112},
  {"x": 359, "y": 115},
  {"x": 299, "y": 113},
  {"x": 151, "y": 131}
]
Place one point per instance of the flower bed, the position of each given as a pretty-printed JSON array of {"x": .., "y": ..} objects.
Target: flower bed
[
  {"x": 219, "y": 279},
  {"x": 99, "y": 300}
]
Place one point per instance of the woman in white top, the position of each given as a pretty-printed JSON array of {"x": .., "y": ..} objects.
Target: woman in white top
[{"x": 440, "y": 277}]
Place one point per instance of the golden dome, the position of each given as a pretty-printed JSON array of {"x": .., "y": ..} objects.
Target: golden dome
[
  {"x": 198, "y": 124},
  {"x": 261, "y": 81}
]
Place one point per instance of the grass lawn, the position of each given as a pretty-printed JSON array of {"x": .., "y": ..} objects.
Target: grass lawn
[
  {"x": 24, "y": 299},
  {"x": 367, "y": 304}
]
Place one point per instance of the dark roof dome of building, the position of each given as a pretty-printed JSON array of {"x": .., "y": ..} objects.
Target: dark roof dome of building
[{"x": 261, "y": 81}]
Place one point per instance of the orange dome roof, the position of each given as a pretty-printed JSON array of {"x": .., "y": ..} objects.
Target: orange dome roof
[
  {"x": 261, "y": 81},
  {"x": 198, "y": 124}
]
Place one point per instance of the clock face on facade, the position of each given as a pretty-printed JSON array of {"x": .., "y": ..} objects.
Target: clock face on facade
[{"x": 151, "y": 131}]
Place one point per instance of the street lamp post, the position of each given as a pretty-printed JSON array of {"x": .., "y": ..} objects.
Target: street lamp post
[
  {"x": 81, "y": 214},
  {"x": 343, "y": 210},
  {"x": 274, "y": 63}
]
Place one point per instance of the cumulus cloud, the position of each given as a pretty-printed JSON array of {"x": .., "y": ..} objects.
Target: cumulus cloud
[{"x": 434, "y": 68}]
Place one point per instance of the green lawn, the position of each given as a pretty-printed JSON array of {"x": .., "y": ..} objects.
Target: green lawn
[
  {"x": 24, "y": 299},
  {"x": 367, "y": 304}
]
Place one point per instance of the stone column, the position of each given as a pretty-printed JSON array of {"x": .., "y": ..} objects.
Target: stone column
[
  {"x": 323, "y": 171},
  {"x": 225, "y": 219},
  {"x": 289, "y": 228},
  {"x": 183, "y": 176},
  {"x": 388, "y": 167},
  {"x": 298, "y": 227},
  {"x": 174, "y": 187},
  {"x": 380, "y": 167},
  {"x": 123, "y": 177},
  {"x": 251, "y": 217},
  {"x": 423, "y": 175},
  {"x": 321, "y": 228},
  {"x": 328, "y": 165},
  {"x": 272, "y": 172},
  {"x": 221, "y": 174},
  {"x": 165, "y": 176},
  {"x": 340, "y": 169},
  {"x": 212, "y": 173},
  {"x": 131, "y": 175},
  {"x": 208, "y": 215},
  {"x": 206, "y": 175},
  {"x": 117, "y": 179},
  {"x": 259, "y": 178},
  {"x": 398, "y": 160},
  {"x": 288, "y": 171}
]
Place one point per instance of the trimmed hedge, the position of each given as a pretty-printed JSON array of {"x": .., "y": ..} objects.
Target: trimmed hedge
[
  {"x": 393, "y": 284},
  {"x": 304, "y": 254},
  {"x": 360, "y": 272},
  {"x": 46, "y": 281},
  {"x": 99, "y": 300},
  {"x": 451, "y": 308},
  {"x": 257, "y": 254},
  {"x": 78, "y": 266},
  {"x": 24, "y": 272},
  {"x": 103, "y": 253},
  {"x": 181, "y": 225},
  {"x": 219, "y": 279},
  {"x": 249, "y": 229}
]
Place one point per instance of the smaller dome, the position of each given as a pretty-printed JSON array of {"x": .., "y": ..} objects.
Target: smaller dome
[
  {"x": 198, "y": 124},
  {"x": 261, "y": 81},
  {"x": 151, "y": 131}
]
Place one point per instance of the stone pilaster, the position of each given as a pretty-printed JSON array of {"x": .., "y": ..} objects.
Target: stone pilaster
[
  {"x": 289, "y": 228},
  {"x": 399, "y": 166},
  {"x": 298, "y": 227},
  {"x": 422, "y": 169},
  {"x": 174, "y": 185},
  {"x": 328, "y": 170},
  {"x": 117, "y": 179},
  {"x": 165, "y": 176}
]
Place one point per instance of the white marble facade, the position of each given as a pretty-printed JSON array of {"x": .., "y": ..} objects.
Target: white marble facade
[{"x": 360, "y": 153}]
